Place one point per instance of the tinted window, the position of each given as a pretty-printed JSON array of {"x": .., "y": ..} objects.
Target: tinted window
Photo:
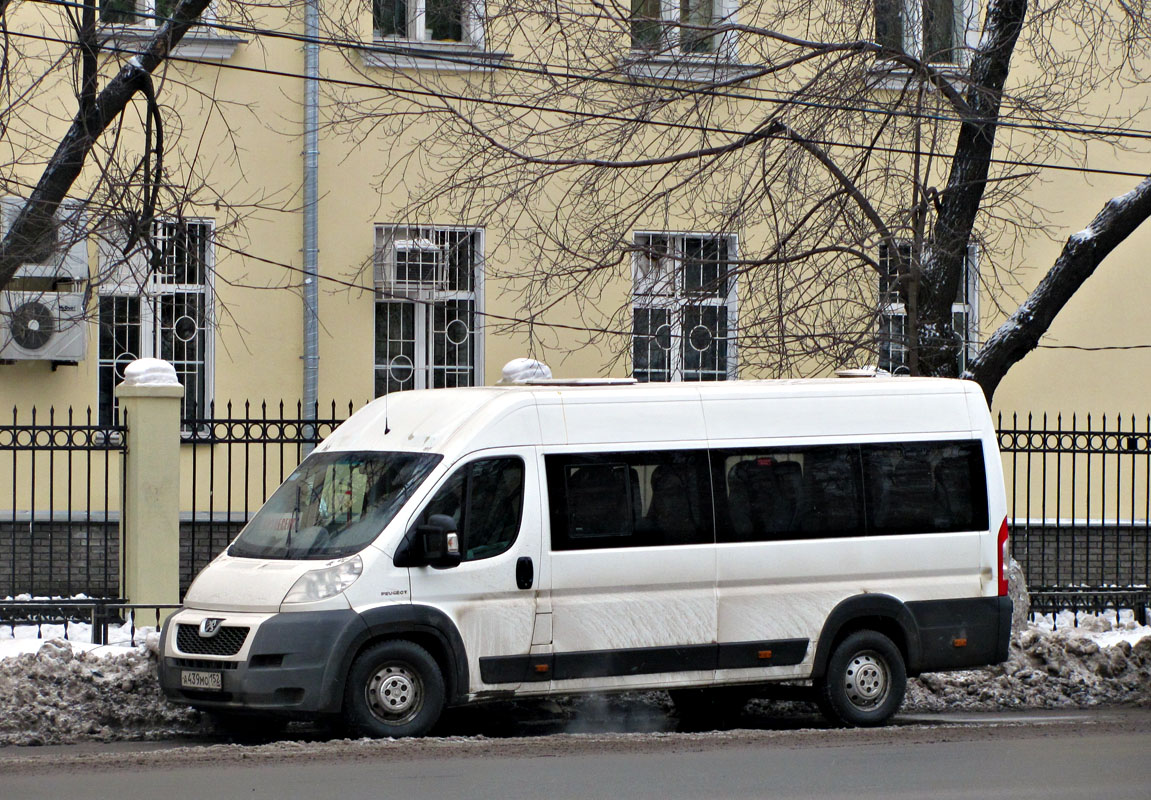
[
  {"x": 486, "y": 500},
  {"x": 789, "y": 494},
  {"x": 925, "y": 487},
  {"x": 817, "y": 492},
  {"x": 646, "y": 499}
]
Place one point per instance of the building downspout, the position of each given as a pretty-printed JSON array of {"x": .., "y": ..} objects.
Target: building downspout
[{"x": 311, "y": 212}]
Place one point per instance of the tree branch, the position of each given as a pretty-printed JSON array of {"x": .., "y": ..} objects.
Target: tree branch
[
  {"x": 32, "y": 237},
  {"x": 1082, "y": 253}
]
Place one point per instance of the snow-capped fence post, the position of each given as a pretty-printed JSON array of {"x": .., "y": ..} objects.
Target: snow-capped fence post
[{"x": 149, "y": 400}]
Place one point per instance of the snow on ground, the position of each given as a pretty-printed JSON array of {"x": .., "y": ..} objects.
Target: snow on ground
[
  {"x": 54, "y": 691},
  {"x": 1103, "y": 661}
]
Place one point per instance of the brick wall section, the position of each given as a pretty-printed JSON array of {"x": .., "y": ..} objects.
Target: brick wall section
[
  {"x": 61, "y": 559},
  {"x": 1076, "y": 555}
]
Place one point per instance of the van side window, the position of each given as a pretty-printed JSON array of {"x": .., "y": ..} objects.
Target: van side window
[
  {"x": 645, "y": 499},
  {"x": 486, "y": 500},
  {"x": 810, "y": 492},
  {"x": 822, "y": 492},
  {"x": 925, "y": 487}
]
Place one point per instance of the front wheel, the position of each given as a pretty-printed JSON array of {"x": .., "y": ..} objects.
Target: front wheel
[
  {"x": 865, "y": 681},
  {"x": 394, "y": 689}
]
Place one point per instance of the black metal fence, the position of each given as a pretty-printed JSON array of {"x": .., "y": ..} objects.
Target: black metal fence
[
  {"x": 88, "y": 619},
  {"x": 1079, "y": 495},
  {"x": 59, "y": 523},
  {"x": 235, "y": 463}
]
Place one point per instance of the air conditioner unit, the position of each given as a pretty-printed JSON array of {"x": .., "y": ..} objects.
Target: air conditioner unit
[
  {"x": 410, "y": 267},
  {"x": 70, "y": 261},
  {"x": 42, "y": 326}
]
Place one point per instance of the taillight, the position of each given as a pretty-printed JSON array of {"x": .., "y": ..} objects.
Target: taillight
[{"x": 1004, "y": 558}]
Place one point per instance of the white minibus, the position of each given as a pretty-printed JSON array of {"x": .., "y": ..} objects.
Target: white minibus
[{"x": 458, "y": 545}]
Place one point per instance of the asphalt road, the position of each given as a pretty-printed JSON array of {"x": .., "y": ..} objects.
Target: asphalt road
[{"x": 1092, "y": 754}]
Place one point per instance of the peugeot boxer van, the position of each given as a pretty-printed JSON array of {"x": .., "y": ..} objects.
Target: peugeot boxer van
[{"x": 450, "y": 546}]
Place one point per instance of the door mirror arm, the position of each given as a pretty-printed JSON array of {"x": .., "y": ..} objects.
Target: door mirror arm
[{"x": 436, "y": 543}]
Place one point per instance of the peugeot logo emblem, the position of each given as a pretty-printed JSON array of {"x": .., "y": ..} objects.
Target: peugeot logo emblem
[{"x": 209, "y": 627}]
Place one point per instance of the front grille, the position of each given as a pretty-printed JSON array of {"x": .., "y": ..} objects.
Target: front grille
[
  {"x": 202, "y": 663},
  {"x": 226, "y": 642}
]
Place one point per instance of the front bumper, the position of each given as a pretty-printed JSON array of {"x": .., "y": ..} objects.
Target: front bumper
[{"x": 287, "y": 663}]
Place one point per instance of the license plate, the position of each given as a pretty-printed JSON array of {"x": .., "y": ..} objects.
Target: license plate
[{"x": 190, "y": 679}]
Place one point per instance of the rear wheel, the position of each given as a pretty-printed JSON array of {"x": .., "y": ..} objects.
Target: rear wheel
[
  {"x": 865, "y": 681},
  {"x": 394, "y": 689}
]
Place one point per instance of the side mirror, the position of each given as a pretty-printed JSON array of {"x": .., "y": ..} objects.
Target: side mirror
[{"x": 434, "y": 544}]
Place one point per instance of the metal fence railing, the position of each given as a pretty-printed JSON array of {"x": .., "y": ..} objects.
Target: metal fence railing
[
  {"x": 236, "y": 461},
  {"x": 60, "y": 507},
  {"x": 87, "y": 620},
  {"x": 1079, "y": 495}
]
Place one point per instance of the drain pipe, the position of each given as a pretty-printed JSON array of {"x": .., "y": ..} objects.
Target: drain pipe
[{"x": 311, "y": 198}]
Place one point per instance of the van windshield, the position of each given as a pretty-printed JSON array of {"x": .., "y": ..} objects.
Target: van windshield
[{"x": 333, "y": 505}]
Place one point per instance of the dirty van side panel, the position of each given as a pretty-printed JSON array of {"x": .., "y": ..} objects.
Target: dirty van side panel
[
  {"x": 493, "y": 496},
  {"x": 838, "y": 497},
  {"x": 632, "y": 590}
]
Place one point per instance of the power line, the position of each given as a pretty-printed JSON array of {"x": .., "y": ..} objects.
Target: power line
[
  {"x": 445, "y": 96},
  {"x": 483, "y": 60}
]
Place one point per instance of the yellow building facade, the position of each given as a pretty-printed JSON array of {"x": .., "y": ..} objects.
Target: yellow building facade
[{"x": 415, "y": 290}]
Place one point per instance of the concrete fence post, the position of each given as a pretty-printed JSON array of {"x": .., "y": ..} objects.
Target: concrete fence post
[{"x": 150, "y": 521}]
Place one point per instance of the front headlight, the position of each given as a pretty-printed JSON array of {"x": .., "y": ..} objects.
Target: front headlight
[{"x": 320, "y": 584}]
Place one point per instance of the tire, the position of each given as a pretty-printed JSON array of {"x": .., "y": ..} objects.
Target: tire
[
  {"x": 394, "y": 689},
  {"x": 706, "y": 709},
  {"x": 865, "y": 681}
]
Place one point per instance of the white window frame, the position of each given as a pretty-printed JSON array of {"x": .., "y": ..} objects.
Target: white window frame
[
  {"x": 134, "y": 279},
  {"x": 723, "y": 12},
  {"x": 200, "y": 42},
  {"x": 658, "y": 285},
  {"x": 471, "y": 24},
  {"x": 892, "y": 345},
  {"x": 422, "y": 53},
  {"x": 965, "y": 31},
  {"x": 390, "y": 240}
]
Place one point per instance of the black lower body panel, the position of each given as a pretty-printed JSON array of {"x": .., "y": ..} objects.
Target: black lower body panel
[{"x": 962, "y": 633}]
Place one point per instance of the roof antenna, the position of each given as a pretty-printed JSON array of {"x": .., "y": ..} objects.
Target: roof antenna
[{"x": 387, "y": 430}]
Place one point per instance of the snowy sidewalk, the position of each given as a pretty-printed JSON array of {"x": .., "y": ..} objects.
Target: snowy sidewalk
[{"x": 56, "y": 692}]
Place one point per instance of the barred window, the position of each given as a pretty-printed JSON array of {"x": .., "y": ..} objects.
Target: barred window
[
  {"x": 683, "y": 308},
  {"x": 892, "y": 339},
  {"x": 159, "y": 306},
  {"x": 427, "y": 308}
]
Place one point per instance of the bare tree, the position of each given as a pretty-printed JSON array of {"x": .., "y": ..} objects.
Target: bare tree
[
  {"x": 854, "y": 146},
  {"x": 126, "y": 181}
]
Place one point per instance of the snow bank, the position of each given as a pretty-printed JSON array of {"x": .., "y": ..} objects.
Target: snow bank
[
  {"x": 1067, "y": 667},
  {"x": 64, "y": 692}
]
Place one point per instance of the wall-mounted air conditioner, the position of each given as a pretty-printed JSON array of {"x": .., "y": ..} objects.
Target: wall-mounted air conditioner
[
  {"x": 70, "y": 261},
  {"x": 42, "y": 326},
  {"x": 408, "y": 264}
]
